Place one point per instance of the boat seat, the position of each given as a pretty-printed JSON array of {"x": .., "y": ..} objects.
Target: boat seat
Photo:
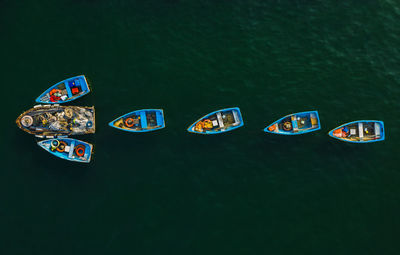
[
  {"x": 236, "y": 118},
  {"x": 360, "y": 129},
  {"x": 143, "y": 119},
  {"x": 377, "y": 130},
  {"x": 159, "y": 118},
  {"x": 71, "y": 149},
  {"x": 314, "y": 120},
  {"x": 220, "y": 121}
]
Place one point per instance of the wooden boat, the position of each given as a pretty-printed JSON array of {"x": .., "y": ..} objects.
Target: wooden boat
[
  {"x": 295, "y": 124},
  {"x": 65, "y": 91},
  {"x": 361, "y": 131},
  {"x": 218, "y": 122},
  {"x": 55, "y": 120},
  {"x": 145, "y": 120},
  {"x": 68, "y": 148}
]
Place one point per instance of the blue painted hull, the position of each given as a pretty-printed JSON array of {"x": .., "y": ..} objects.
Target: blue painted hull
[
  {"x": 220, "y": 121},
  {"x": 295, "y": 124},
  {"x": 65, "y": 91},
  {"x": 70, "y": 150},
  {"x": 360, "y": 131},
  {"x": 140, "y": 121}
]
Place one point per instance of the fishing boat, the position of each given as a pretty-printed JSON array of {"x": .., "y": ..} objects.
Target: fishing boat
[
  {"x": 145, "y": 120},
  {"x": 361, "y": 131},
  {"x": 295, "y": 124},
  {"x": 68, "y": 148},
  {"x": 218, "y": 122},
  {"x": 65, "y": 91},
  {"x": 55, "y": 120}
]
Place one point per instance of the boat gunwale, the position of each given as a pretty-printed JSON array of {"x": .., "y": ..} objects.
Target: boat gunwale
[
  {"x": 297, "y": 133},
  {"x": 330, "y": 133},
  {"x": 111, "y": 123},
  {"x": 217, "y": 132}
]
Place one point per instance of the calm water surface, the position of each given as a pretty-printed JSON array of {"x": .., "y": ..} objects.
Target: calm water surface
[{"x": 171, "y": 192}]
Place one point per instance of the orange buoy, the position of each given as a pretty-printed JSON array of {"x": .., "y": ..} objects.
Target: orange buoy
[
  {"x": 53, "y": 91},
  {"x": 129, "y": 122},
  {"x": 80, "y": 150},
  {"x": 287, "y": 126},
  {"x": 271, "y": 128},
  {"x": 61, "y": 146}
]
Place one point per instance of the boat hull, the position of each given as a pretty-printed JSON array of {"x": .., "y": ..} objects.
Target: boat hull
[
  {"x": 140, "y": 121},
  {"x": 360, "y": 131},
  {"x": 55, "y": 120},
  {"x": 68, "y": 149},
  {"x": 65, "y": 91},
  {"x": 217, "y": 122},
  {"x": 295, "y": 124}
]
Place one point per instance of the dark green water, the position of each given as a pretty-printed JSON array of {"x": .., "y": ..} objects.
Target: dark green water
[{"x": 172, "y": 192}]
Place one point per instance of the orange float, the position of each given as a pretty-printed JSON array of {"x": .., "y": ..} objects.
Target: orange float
[
  {"x": 61, "y": 146},
  {"x": 80, "y": 150},
  {"x": 129, "y": 122},
  {"x": 208, "y": 123}
]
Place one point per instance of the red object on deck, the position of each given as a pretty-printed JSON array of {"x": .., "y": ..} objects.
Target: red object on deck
[{"x": 75, "y": 91}]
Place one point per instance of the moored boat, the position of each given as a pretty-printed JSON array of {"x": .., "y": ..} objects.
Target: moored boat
[
  {"x": 218, "y": 122},
  {"x": 145, "y": 120},
  {"x": 295, "y": 124},
  {"x": 55, "y": 120},
  {"x": 361, "y": 131},
  {"x": 65, "y": 91},
  {"x": 68, "y": 148}
]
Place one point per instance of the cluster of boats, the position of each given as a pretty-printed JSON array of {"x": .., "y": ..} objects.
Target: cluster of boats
[{"x": 54, "y": 122}]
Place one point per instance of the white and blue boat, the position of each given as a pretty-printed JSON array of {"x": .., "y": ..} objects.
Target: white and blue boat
[
  {"x": 295, "y": 124},
  {"x": 145, "y": 120},
  {"x": 218, "y": 122},
  {"x": 68, "y": 149},
  {"x": 65, "y": 91},
  {"x": 360, "y": 131}
]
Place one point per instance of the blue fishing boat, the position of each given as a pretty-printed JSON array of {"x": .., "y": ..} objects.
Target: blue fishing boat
[
  {"x": 68, "y": 148},
  {"x": 140, "y": 121},
  {"x": 218, "y": 122},
  {"x": 360, "y": 131},
  {"x": 65, "y": 91},
  {"x": 295, "y": 124}
]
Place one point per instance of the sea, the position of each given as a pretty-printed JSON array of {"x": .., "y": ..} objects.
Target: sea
[{"x": 172, "y": 192}]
